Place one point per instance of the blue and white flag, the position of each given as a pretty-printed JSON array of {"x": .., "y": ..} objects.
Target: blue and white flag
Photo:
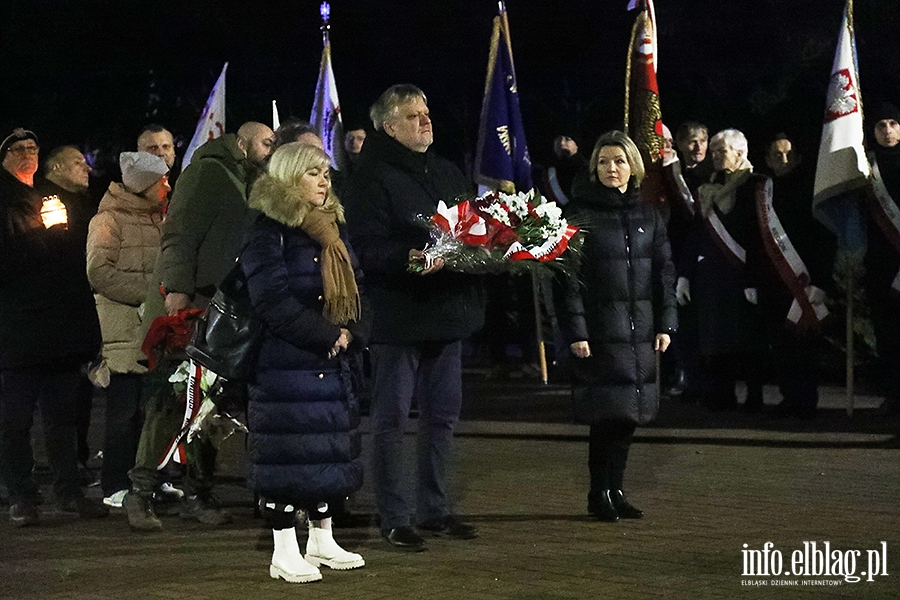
[
  {"x": 326, "y": 112},
  {"x": 212, "y": 121},
  {"x": 501, "y": 158}
]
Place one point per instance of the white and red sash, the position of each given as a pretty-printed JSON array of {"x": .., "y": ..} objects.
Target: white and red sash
[
  {"x": 724, "y": 240},
  {"x": 808, "y": 308},
  {"x": 715, "y": 197},
  {"x": 682, "y": 193},
  {"x": 886, "y": 214}
]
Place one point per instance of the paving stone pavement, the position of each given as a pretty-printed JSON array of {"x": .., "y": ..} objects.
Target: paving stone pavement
[{"x": 706, "y": 490}]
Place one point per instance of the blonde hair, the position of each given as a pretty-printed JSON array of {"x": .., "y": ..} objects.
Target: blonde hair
[
  {"x": 632, "y": 154},
  {"x": 290, "y": 161}
]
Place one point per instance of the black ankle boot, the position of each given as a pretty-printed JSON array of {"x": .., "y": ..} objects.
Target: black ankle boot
[
  {"x": 622, "y": 507},
  {"x": 600, "y": 505}
]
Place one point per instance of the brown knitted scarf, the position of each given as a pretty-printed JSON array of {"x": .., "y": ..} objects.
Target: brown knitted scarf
[{"x": 341, "y": 293}]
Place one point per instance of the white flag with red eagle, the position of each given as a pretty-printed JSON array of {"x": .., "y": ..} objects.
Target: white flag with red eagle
[
  {"x": 212, "y": 121},
  {"x": 842, "y": 164}
]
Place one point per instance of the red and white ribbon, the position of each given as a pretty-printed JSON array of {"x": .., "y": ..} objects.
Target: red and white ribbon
[
  {"x": 176, "y": 450},
  {"x": 462, "y": 222},
  {"x": 549, "y": 250},
  {"x": 808, "y": 307}
]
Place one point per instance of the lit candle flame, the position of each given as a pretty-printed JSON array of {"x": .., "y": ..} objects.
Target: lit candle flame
[{"x": 53, "y": 212}]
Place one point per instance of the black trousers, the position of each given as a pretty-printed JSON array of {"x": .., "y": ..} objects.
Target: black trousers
[
  {"x": 124, "y": 420},
  {"x": 281, "y": 515},
  {"x": 55, "y": 392},
  {"x": 608, "y": 447}
]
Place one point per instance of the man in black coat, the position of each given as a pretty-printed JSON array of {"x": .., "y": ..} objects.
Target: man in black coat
[
  {"x": 882, "y": 261},
  {"x": 419, "y": 319},
  {"x": 66, "y": 175},
  {"x": 796, "y": 353},
  {"x": 48, "y": 330}
]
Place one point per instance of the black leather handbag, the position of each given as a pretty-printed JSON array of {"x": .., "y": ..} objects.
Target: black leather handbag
[{"x": 226, "y": 338}]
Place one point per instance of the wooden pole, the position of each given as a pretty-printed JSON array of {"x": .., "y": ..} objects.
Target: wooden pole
[
  {"x": 850, "y": 353},
  {"x": 539, "y": 326},
  {"x": 658, "y": 372}
]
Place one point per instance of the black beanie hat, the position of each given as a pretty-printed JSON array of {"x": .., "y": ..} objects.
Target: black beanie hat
[{"x": 17, "y": 135}]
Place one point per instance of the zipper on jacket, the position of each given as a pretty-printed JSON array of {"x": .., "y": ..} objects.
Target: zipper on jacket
[{"x": 626, "y": 227}]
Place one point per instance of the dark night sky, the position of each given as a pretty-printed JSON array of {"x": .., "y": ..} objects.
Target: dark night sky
[{"x": 79, "y": 70}]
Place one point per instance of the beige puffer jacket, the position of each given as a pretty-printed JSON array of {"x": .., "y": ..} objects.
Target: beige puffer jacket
[{"x": 122, "y": 247}]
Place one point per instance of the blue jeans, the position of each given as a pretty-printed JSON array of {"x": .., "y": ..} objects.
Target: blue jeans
[{"x": 430, "y": 372}]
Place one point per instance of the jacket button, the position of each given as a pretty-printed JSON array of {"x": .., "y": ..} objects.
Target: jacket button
[
  {"x": 315, "y": 259},
  {"x": 319, "y": 298},
  {"x": 321, "y": 375}
]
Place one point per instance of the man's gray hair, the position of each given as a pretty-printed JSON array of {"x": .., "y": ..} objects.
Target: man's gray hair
[
  {"x": 731, "y": 138},
  {"x": 388, "y": 104}
]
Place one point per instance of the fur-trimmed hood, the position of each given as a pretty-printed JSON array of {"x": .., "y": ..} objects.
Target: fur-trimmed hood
[
  {"x": 284, "y": 203},
  {"x": 279, "y": 201}
]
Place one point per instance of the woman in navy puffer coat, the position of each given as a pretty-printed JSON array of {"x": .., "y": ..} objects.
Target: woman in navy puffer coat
[
  {"x": 620, "y": 310},
  {"x": 303, "y": 445}
]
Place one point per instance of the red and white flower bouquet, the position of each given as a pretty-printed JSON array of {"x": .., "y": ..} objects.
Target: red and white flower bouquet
[{"x": 497, "y": 233}]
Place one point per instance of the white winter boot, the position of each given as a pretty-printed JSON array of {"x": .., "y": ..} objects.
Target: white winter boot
[
  {"x": 287, "y": 562},
  {"x": 321, "y": 549}
]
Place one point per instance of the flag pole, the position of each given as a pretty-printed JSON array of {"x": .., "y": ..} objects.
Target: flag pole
[
  {"x": 850, "y": 351},
  {"x": 851, "y": 354},
  {"x": 325, "y": 12},
  {"x": 535, "y": 282}
]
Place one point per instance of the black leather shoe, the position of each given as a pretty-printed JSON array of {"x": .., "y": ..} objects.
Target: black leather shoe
[
  {"x": 404, "y": 538},
  {"x": 677, "y": 385},
  {"x": 600, "y": 505},
  {"x": 449, "y": 527},
  {"x": 625, "y": 510}
]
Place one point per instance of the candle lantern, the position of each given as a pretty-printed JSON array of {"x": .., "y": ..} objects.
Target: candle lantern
[{"x": 53, "y": 212}]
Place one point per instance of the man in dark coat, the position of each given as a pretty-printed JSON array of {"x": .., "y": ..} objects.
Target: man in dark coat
[
  {"x": 795, "y": 353},
  {"x": 201, "y": 237},
  {"x": 882, "y": 261},
  {"x": 719, "y": 274},
  {"x": 419, "y": 319},
  {"x": 48, "y": 331},
  {"x": 66, "y": 175}
]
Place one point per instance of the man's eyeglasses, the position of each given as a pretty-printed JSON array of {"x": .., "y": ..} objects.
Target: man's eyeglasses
[{"x": 25, "y": 150}]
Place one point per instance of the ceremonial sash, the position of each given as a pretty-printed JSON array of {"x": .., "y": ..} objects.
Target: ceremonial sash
[
  {"x": 733, "y": 251},
  {"x": 682, "y": 196},
  {"x": 555, "y": 190},
  {"x": 886, "y": 214},
  {"x": 808, "y": 307}
]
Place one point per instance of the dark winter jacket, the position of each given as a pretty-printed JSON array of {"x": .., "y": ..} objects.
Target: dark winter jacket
[
  {"x": 303, "y": 412},
  {"x": 206, "y": 220},
  {"x": 727, "y": 322},
  {"x": 80, "y": 207},
  {"x": 47, "y": 314},
  {"x": 624, "y": 297},
  {"x": 391, "y": 190}
]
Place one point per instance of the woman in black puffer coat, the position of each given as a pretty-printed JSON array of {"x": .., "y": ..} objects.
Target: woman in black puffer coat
[
  {"x": 303, "y": 444},
  {"x": 621, "y": 310}
]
